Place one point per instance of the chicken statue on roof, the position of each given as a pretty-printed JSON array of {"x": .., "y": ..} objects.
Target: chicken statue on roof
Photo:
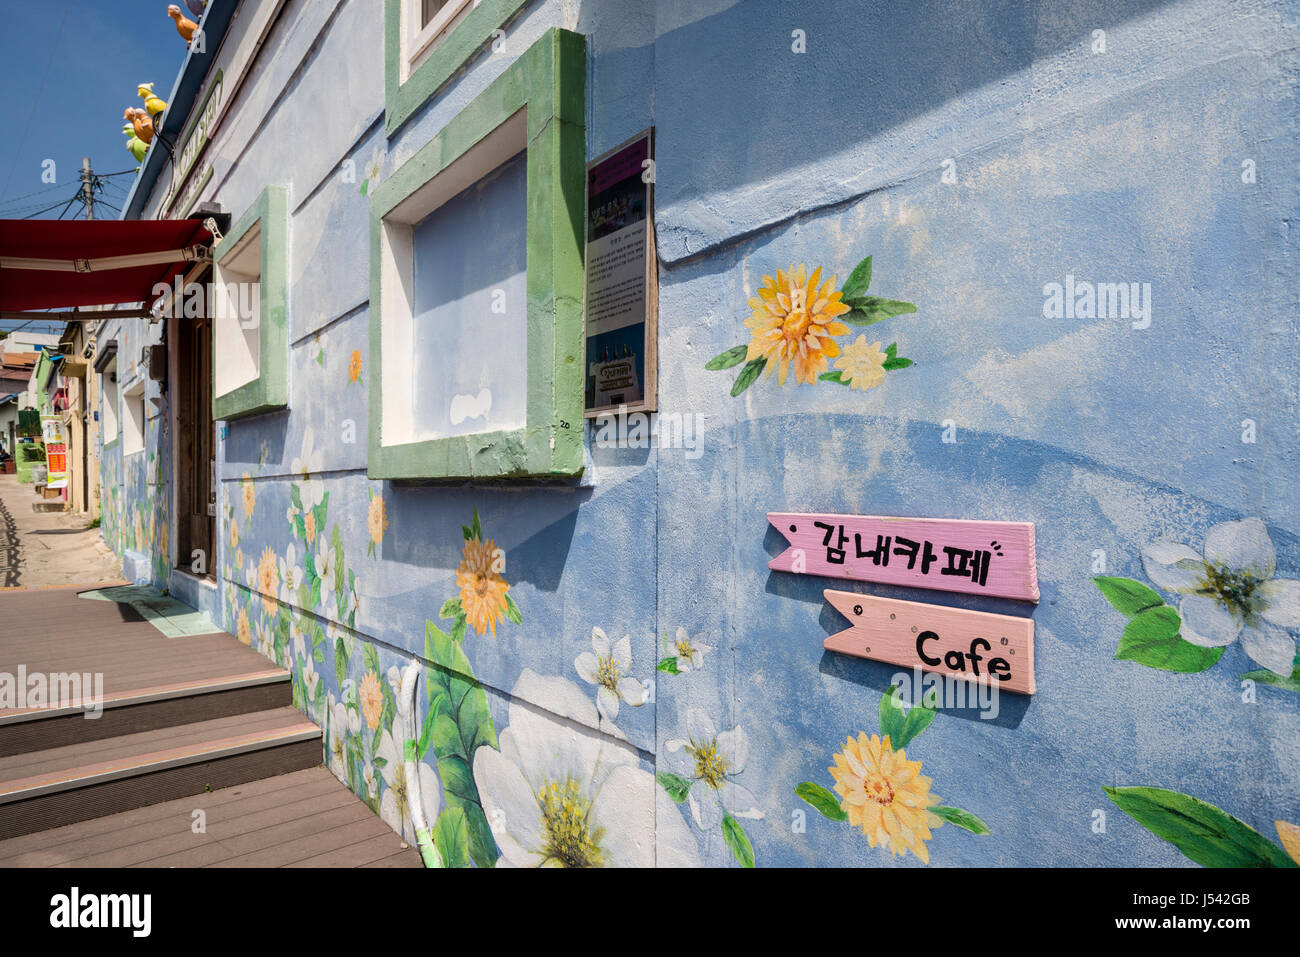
[
  {"x": 153, "y": 104},
  {"x": 184, "y": 25},
  {"x": 140, "y": 122},
  {"x": 134, "y": 144}
]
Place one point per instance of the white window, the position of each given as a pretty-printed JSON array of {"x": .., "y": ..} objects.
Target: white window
[
  {"x": 108, "y": 402},
  {"x": 454, "y": 316},
  {"x": 426, "y": 24},
  {"x": 236, "y": 321},
  {"x": 133, "y": 419}
]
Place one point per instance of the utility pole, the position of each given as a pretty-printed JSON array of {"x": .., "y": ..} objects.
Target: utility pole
[{"x": 87, "y": 191}]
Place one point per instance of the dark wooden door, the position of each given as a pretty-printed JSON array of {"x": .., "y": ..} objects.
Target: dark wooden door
[{"x": 195, "y": 444}]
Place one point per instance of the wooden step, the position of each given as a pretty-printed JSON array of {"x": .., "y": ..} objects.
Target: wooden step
[
  {"x": 145, "y": 708},
  {"x": 76, "y": 782}
]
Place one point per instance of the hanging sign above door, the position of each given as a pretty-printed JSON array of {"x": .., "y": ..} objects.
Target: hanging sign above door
[
  {"x": 978, "y": 558},
  {"x": 997, "y": 650}
]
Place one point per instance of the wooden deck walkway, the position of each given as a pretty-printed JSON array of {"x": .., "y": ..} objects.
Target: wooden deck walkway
[
  {"x": 189, "y": 722},
  {"x": 302, "y": 819}
]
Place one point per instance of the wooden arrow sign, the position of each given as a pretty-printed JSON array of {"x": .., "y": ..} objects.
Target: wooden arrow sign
[
  {"x": 997, "y": 650},
  {"x": 978, "y": 558}
]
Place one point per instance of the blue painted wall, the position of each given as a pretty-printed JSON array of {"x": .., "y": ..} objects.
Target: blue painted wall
[{"x": 978, "y": 153}]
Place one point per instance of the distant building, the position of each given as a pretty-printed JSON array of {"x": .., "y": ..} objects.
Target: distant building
[{"x": 22, "y": 340}]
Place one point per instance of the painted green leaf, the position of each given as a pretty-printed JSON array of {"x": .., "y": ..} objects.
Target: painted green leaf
[
  {"x": 462, "y": 725},
  {"x": 890, "y": 365},
  {"x": 725, "y": 360},
  {"x": 451, "y": 837},
  {"x": 450, "y": 608},
  {"x": 512, "y": 610},
  {"x": 1263, "y": 675},
  {"x": 1204, "y": 833},
  {"x": 668, "y": 665},
  {"x": 676, "y": 785},
  {"x": 476, "y": 528},
  {"x": 822, "y": 800},
  {"x": 737, "y": 840},
  {"x": 426, "y": 734},
  {"x": 1129, "y": 597},
  {"x": 868, "y": 310},
  {"x": 748, "y": 375},
  {"x": 955, "y": 815},
  {"x": 1152, "y": 639},
  {"x": 336, "y": 543},
  {"x": 370, "y": 658},
  {"x": 319, "y": 512},
  {"x": 836, "y": 377},
  {"x": 901, "y": 726},
  {"x": 295, "y": 497},
  {"x": 858, "y": 280},
  {"x": 340, "y": 660},
  {"x": 458, "y": 628}
]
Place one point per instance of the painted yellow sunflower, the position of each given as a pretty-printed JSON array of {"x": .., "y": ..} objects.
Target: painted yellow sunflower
[
  {"x": 377, "y": 519},
  {"x": 268, "y": 580},
  {"x": 885, "y": 795},
  {"x": 482, "y": 590},
  {"x": 234, "y": 534},
  {"x": 309, "y": 526},
  {"x": 242, "y": 631},
  {"x": 372, "y": 699},
  {"x": 862, "y": 365},
  {"x": 793, "y": 322},
  {"x": 249, "y": 495},
  {"x": 354, "y": 366}
]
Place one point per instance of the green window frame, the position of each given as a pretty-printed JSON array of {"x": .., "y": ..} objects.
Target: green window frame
[
  {"x": 542, "y": 95},
  {"x": 269, "y": 389},
  {"x": 403, "y": 98}
]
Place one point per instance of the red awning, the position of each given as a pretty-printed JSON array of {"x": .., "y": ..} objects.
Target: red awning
[{"x": 54, "y": 264}]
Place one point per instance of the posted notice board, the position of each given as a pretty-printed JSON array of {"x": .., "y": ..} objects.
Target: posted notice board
[{"x": 622, "y": 280}]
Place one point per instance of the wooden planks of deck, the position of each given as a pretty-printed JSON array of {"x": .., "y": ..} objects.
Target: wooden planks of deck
[{"x": 301, "y": 819}]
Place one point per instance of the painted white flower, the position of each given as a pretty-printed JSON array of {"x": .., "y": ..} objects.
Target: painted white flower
[
  {"x": 711, "y": 762},
  {"x": 297, "y": 638},
  {"x": 689, "y": 651},
  {"x": 310, "y": 460},
  {"x": 606, "y": 666},
  {"x": 310, "y": 679},
  {"x": 395, "y": 805},
  {"x": 559, "y": 795},
  {"x": 265, "y": 638},
  {"x": 290, "y": 575},
  {"x": 371, "y": 783},
  {"x": 323, "y": 562},
  {"x": 371, "y": 170},
  {"x": 337, "y": 736},
  {"x": 1230, "y": 592}
]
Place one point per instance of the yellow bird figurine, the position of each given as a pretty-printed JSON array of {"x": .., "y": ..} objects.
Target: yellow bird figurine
[
  {"x": 184, "y": 26},
  {"x": 140, "y": 122},
  {"x": 152, "y": 103}
]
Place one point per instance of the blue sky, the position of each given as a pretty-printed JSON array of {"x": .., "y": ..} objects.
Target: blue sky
[{"x": 68, "y": 68}]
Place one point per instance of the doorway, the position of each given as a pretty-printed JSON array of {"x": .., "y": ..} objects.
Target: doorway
[{"x": 195, "y": 442}]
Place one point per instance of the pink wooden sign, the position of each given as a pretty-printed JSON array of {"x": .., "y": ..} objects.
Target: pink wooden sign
[
  {"x": 997, "y": 650},
  {"x": 979, "y": 558}
]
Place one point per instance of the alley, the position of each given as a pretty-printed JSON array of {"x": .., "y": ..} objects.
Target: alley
[{"x": 48, "y": 548}]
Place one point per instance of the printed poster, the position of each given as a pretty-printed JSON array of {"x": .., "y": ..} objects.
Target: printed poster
[{"x": 621, "y": 293}]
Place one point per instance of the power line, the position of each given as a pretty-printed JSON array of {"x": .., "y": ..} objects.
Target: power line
[
  {"x": 38, "y": 192},
  {"x": 73, "y": 199}
]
